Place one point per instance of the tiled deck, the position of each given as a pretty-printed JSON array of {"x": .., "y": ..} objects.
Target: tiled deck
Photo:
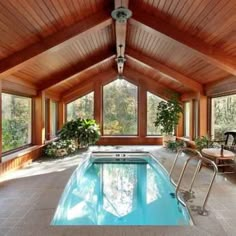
[{"x": 28, "y": 199}]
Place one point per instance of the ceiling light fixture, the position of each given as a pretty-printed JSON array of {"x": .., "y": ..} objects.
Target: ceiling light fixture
[{"x": 121, "y": 14}]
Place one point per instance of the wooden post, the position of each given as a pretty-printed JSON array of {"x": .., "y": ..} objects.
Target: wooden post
[
  {"x": 142, "y": 112},
  {"x": 61, "y": 114},
  {"x": 98, "y": 108},
  {"x": 39, "y": 119},
  {"x": 202, "y": 115},
  {"x": 180, "y": 127},
  {"x": 1, "y": 121}
]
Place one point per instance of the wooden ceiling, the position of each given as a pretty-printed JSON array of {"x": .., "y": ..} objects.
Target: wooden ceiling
[{"x": 57, "y": 45}]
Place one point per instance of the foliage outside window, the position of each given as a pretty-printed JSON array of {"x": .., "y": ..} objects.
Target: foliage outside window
[
  {"x": 120, "y": 108},
  {"x": 152, "y": 102},
  {"x": 223, "y": 116},
  {"x": 16, "y": 121},
  {"x": 82, "y": 107},
  {"x": 187, "y": 119}
]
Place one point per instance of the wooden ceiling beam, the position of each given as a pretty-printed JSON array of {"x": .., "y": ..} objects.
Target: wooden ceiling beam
[
  {"x": 88, "y": 84},
  {"x": 73, "y": 72},
  {"x": 210, "y": 54},
  {"x": 221, "y": 87},
  {"x": 167, "y": 71},
  {"x": 54, "y": 42}
]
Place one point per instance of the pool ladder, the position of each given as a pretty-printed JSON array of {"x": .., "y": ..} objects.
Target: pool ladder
[{"x": 197, "y": 156}]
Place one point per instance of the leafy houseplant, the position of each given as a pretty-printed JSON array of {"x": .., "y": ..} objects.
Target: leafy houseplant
[
  {"x": 167, "y": 117},
  {"x": 70, "y": 130},
  {"x": 203, "y": 142},
  {"x": 83, "y": 131},
  {"x": 174, "y": 146},
  {"x": 88, "y": 132}
]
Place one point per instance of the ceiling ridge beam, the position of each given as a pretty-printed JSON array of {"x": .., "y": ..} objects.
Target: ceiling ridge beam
[
  {"x": 73, "y": 72},
  {"x": 54, "y": 42},
  {"x": 120, "y": 32},
  {"x": 209, "y": 53},
  {"x": 167, "y": 71}
]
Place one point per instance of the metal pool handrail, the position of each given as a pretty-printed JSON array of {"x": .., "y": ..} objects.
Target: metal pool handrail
[{"x": 200, "y": 159}]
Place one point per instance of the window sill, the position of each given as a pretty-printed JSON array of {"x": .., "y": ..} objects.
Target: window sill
[
  {"x": 20, "y": 153},
  {"x": 51, "y": 140}
]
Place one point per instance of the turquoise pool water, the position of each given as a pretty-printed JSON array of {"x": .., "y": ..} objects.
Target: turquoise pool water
[{"x": 113, "y": 191}]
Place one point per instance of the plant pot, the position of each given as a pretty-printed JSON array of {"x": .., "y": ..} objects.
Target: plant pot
[{"x": 167, "y": 138}]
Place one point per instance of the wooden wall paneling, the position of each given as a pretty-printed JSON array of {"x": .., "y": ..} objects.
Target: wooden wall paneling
[
  {"x": 105, "y": 140},
  {"x": 39, "y": 119},
  {"x": 209, "y": 53},
  {"x": 17, "y": 61},
  {"x": 70, "y": 73},
  {"x": 188, "y": 82}
]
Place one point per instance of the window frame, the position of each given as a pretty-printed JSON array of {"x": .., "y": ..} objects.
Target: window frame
[
  {"x": 190, "y": 119},
  {"x": 210, "y": 111},
  {"x": 138, "y": 111},
  {"x": 76, "y": 98},
  {"x": 151, "y": 135},
  {"x": 31, "y": 124}
]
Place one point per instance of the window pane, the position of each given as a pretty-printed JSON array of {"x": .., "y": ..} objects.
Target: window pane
[
  {"x": 54, "y": 114},
  {"x": 82, "y": 107},
  {"x": 223, "y": 116},
  {"x": 120, "y": 108},
  {"x": 152, "y": 103},
  {"x": 187, "y": 119},
  {"x": 16, "y": 121}
]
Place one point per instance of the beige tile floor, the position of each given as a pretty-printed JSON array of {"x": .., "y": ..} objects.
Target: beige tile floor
[{"x": 28, "y": 198}]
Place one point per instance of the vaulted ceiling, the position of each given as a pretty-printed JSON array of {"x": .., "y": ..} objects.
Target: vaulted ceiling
[{"x": 58, "y": 45}]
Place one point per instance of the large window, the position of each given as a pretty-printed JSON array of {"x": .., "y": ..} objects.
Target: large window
[
  {"x": 187, "y": 117},
  {"x": 82, "y": 107},
  {"x": 223, "y": 116},
  {"x": 152, "y": 103},
  {"x": 120, "y": 108},
  {"x": 16, "y": 121}
]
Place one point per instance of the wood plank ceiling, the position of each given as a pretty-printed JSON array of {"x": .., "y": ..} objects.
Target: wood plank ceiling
[{"x": 187, "y": 46}]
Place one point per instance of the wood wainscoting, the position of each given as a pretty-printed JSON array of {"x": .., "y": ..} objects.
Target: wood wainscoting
[{"x": 20, "y": 159}]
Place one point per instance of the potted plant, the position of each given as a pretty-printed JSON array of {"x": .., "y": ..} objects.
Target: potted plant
[
  {"x": 167, "y": 118},
  {"x": 82, "y": 131}
]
